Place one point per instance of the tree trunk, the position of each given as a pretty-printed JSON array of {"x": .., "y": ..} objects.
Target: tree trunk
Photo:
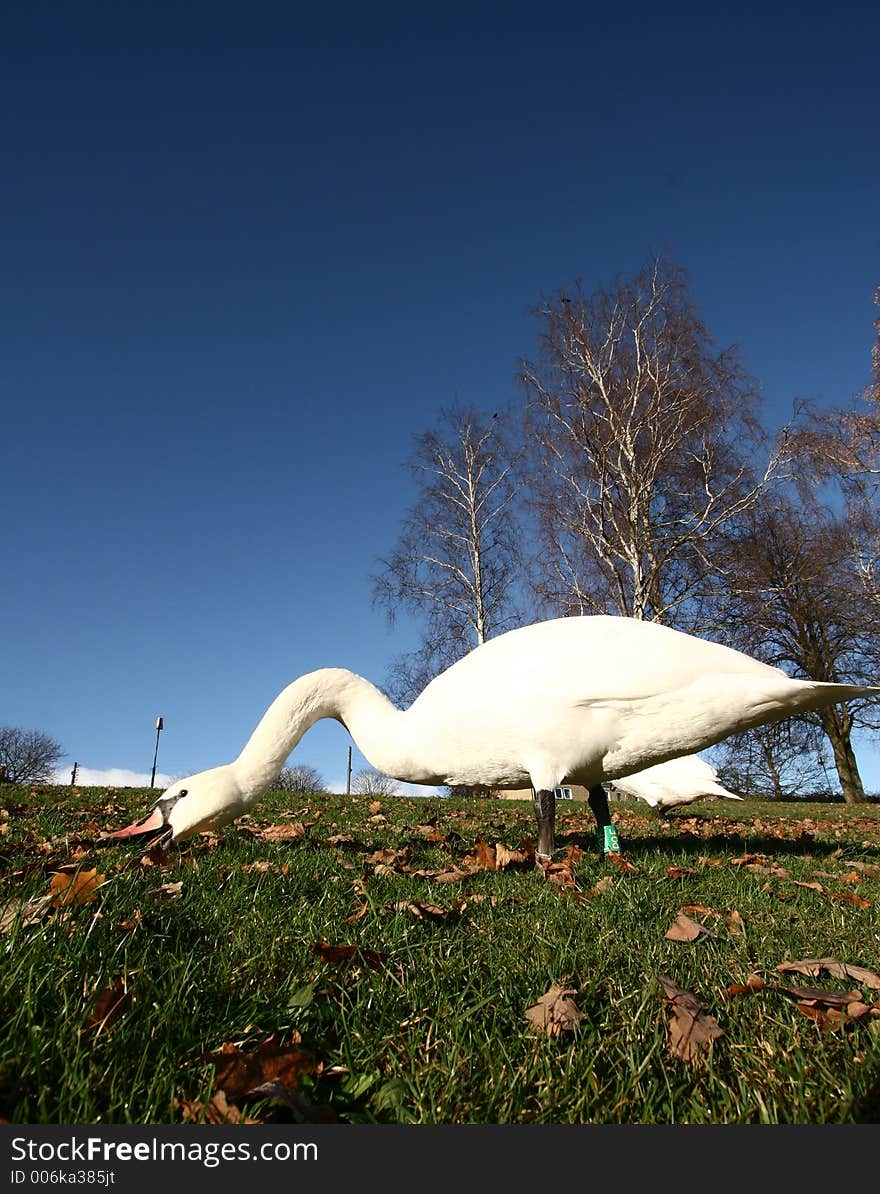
[{"x": 837, "y": 726}]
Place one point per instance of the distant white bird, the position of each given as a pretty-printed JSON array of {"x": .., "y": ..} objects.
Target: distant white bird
[
  {"x": 678, "y": 781},
  {"x": 574, "y": 700}
]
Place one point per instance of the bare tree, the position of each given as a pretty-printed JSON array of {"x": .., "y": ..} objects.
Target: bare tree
[
  {"x": 797, "y": 604},
  {"x": 781, "y": 761},
  {"x": 27, "y": 756},
  {"x": 369, "y": 782},
  {"x": 843, "y": 446},
  {"x": 457, "y": 560},
  {"x": 299, "y": 778},
  {"x": 646, "y": 437}
]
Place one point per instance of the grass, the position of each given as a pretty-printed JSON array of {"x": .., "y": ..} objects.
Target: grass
[{"x": 433, "y": 1031}]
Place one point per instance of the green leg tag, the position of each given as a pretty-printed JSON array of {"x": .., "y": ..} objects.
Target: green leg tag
[{"x": 608, "y": 840}]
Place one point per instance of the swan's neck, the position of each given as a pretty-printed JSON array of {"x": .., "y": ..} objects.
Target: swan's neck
[{"x": 371, "y": 719}]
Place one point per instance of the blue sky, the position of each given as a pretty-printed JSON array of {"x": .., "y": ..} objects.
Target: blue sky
[{"x": 249, "y": 253}]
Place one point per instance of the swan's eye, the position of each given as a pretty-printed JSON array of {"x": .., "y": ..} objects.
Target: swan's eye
[{"x": 182, "y": 792}]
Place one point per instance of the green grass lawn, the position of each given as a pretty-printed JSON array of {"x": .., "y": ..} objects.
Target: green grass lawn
[{"x": 172, "y": 985}]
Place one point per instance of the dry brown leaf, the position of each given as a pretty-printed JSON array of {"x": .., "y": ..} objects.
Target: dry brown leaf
[
  {"x": 304, "y": 1112},
  {"x": 812, "y": 886},
  {"x": 685, "y": 929},
  {"x": 449, "y": 875},
  {"x": 240, "y": 1073},
  {"x": 285, "y": 832},
  {"x": 812, "y": 967},
  {"x": 623, "y": 865},
  {"x": 752, "y": 984},
  {"x": 73, "y": 890},
  {"x": 735, "y": 922},
  {"x": 168, "y": 891},
  {"x": 483, "y": 857},
  {"x": 30, "y": 911},
  {"x": 218, "y": 1110},
  {"x": 850, "y": 897},
  {"x": 338, "y": 955},
  {"x": 866, "y": 868},
  {"x": 375, "y": 805},
  {"x": 604, "y": 884},
  {"x": 679, "y": 872},
  {"x": 108, "y": 1006},
  {"x": 555, "y": 1012},
  {"x": 422, "y": 911},
  {"x": 340, "y": 839},
  {"x": 691, "y": 1031},
  {"x": 699, "y": 910},
  {"x": 505, "y": 857},
  {"x": 430, "y": 833}
]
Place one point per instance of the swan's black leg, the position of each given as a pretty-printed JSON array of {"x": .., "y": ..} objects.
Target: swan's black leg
[
  {"x": 545, "y": 814},
  {"x": 608, "y": 840}
]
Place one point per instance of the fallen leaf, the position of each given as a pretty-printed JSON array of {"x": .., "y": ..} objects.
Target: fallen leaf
[
  {"x": 422, "y": 911},
  {"x": 683, "y": 928},
  {"x": 375, "y": 805},
  {"x": 218, "y": 1110},
  {"x": 812, "y": 886},
  {"x": 699, "y": 910},
  {"x": 555, "y": 1012},
  {"x": 168, "y": 891},
  {"x": 78, "y": 888},
  {"x": 850, "y": 897},
  {"x": 430, "y": 833},
  {"x": 604, "y": 884},
  {"x": 304, "y": 1112},
  {"x": 291, "y": 831},
  {"x": 752, "y": 984},
  {"x": 449, "y": 875},
  {"x": 30, "y": 911},
  {"x": 814, "y": 966},
  {"x": 623, "y": 865},
  {"x": 505, "y": 857},
  {"x": 679, "y": 872},
  {"x": 238, "y": 1072},
  {"x": 691, "y": 1031},
  {"x": 866, "y": 868},
  {"x": 338, "y": 955},
  {"x": 735, "y": 922},
  {"x": 108, "y": 1006},
  {"x": 483, "y": 857},
  {"x": 559, "y": 873}
]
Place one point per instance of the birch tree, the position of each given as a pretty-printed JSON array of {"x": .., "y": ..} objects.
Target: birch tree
[
  {"x": 646, "y": 437},
  {"x": 457, "y": 560}
]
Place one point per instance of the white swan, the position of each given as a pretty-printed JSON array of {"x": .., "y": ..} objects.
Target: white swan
[
  {"x": 572, "y": 700},
  {"x": 677, "y": 781}
]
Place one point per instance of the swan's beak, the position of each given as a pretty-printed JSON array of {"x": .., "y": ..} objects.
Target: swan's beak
[{"x": 148, "y": 826}]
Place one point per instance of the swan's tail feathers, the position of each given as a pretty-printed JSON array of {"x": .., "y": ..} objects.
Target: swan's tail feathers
[
  {"x": 720, "y": 790},
  {"x": 819, "y": 693}
]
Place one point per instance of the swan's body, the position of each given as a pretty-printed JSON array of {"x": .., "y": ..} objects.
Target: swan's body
[
  {"x": 572, "y": 700},
  {"x": 677, "y": 781}
]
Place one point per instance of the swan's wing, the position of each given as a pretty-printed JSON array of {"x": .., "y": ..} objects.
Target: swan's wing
[{"x": 583, "y": 660}]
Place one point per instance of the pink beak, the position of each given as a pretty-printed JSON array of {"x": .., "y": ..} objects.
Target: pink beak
[{"x": 151, "y": 823}]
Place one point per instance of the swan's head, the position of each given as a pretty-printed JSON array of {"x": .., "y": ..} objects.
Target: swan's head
[{"x": 207, "y": 800}]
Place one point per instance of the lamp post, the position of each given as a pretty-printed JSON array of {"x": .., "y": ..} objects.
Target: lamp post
[{"x": 159, "y": 724}]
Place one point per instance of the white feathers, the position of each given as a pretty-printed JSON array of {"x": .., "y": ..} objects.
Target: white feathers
[{"x": 678, "y": 781}]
